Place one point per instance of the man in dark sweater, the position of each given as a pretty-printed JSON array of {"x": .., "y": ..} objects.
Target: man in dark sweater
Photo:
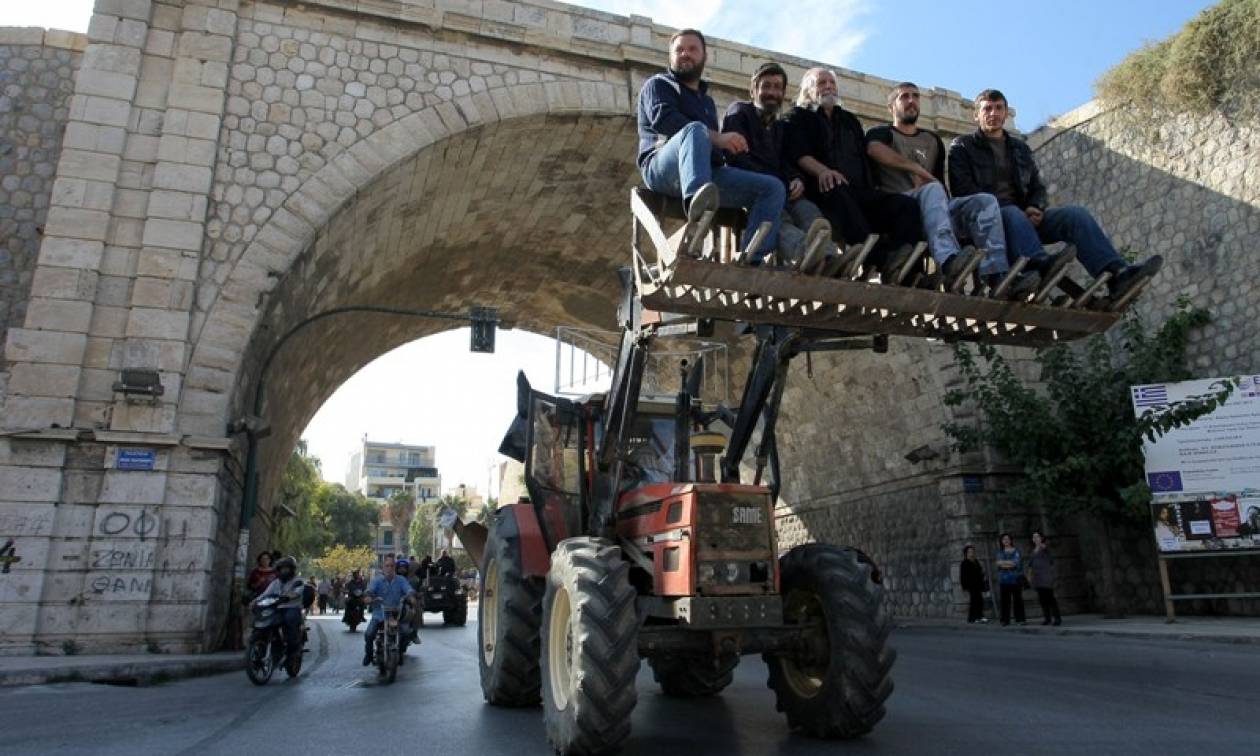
[
  {"x": 829, "y": 145},
  {"x": 992, "y": 160},
  {"x": 758, "y": 121},
  {"x": 682, "y": 153}
]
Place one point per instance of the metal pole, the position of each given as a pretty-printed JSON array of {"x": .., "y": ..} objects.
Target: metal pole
[{"x": 1169, "y": 612}]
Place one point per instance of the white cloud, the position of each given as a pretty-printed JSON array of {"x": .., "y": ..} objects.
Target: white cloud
[{"x": 827, "y": 30}]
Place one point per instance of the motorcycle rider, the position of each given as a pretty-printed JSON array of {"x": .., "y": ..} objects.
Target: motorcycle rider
[
  {"x": 353, "y": 603},
  {"x": 289, "y": 587},
  {"x": 392, "y": 589}
]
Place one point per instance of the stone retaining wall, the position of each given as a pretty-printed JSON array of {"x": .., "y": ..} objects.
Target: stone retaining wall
[{"x": 36, "y": 80}]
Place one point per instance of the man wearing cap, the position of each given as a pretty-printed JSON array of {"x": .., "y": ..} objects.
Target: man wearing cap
[
  {"x": 682, "y": 153},
  {"x": 758, "y": 121},
  {"x": 976, "y": 217},
  {"x": 992, "y": 160}
]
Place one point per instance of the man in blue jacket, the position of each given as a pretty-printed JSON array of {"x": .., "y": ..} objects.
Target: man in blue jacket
[
  {"x": 683, "y": 154},
  {"x": 994, "y": 161}
]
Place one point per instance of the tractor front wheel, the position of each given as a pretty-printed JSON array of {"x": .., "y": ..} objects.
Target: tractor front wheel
[
  {"x": 590, "y": 648},
  {"x": 837, "y": 688},
  {"x": 509, "y": 610}
]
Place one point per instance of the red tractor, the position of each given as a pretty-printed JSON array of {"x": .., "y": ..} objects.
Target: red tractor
[{"x": 642, "y": 539}]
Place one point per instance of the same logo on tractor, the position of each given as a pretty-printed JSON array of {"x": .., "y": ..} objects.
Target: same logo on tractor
[{"x": 746, "y": 515}]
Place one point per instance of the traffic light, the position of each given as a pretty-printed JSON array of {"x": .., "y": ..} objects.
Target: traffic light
[{"x": 484, "y": 321}]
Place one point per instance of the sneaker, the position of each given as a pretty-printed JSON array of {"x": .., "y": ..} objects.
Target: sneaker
[
  {"x": 367, "y": 659},
  {"x": 983, "y": 620},
  {"x": 1049, "y": 265},
  {"x": 1132, "y": 275}
]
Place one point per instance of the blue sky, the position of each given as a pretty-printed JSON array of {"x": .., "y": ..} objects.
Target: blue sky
[{"x": 1044, "y": 55}]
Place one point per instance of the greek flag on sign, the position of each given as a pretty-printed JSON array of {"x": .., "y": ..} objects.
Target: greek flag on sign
[{"x": 1155, "y": 395}]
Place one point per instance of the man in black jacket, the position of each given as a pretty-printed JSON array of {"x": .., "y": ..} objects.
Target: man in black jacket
[
  {"x": 828, "y": 143},
  {"x": 992, "y": 160},
  {"x": 682, "y": 153},
  {"x": 758, "y": 121}
]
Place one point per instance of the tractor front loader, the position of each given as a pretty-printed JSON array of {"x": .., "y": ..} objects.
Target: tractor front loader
[{"x": 642, "y": 539}]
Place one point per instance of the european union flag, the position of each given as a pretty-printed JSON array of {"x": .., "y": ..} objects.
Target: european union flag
[{"x": 1163, "y": 482}]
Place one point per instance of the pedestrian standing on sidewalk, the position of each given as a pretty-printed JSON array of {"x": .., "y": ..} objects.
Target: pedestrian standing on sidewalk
[
  {"x": 1010, "y": 564},
  {"x": 325, "y": 592},
  {"x": 971, "y": 577},
  {"x": 1042, "y": 563}
]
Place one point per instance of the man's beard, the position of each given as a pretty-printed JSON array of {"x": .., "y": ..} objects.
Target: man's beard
[
  {"x": 768, "y": 110},
  {"x": 908, "y": 119},
  {"x": 828, "y": 101},
  {"x": 688, "y": 76}
]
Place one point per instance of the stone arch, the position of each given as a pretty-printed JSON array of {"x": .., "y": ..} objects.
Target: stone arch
[
  {"x": 222, "y": 330},
  {"x": 577, "y": 148}
]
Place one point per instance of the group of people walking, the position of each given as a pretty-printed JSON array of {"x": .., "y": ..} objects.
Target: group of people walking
[
  {"x": 814, "y": 171},
  {"x": 1015, "y": 574}
]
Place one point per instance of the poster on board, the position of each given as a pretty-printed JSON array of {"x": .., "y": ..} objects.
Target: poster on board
[{"x": 1205, "y": 477}]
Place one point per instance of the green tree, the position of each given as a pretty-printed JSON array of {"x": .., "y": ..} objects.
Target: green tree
[
  {"x": 348, "y": 517},
  {"x": 1076, "y": 436},
  {"x": 342, "y": 560},
  {"x": 425, "y": 522},
  {"x": 298, "y": 530}
]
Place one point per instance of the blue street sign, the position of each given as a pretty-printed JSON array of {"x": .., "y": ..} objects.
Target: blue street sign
[{"x": 136, "y": 459}]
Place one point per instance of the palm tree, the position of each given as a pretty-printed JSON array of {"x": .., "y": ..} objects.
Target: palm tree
[{"x": 401, "y": 507}]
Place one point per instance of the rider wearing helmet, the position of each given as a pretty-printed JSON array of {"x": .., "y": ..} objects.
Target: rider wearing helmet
[
  {"x": 391, "y": 589},
  {"x": 288, "y": 586}
]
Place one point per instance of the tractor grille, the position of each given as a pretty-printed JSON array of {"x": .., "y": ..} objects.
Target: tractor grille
[{"x": 735, "y": 543}]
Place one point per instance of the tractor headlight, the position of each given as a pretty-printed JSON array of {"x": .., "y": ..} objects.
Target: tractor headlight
[{"x": 707, "y": 573}]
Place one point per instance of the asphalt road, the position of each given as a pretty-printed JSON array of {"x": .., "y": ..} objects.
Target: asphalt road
[{"x": 958, "y": 692}]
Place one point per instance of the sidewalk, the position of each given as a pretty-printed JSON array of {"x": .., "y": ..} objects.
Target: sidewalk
[
  {"x": 1142, "y": 627},
  {"x": 132, "y": 669}
]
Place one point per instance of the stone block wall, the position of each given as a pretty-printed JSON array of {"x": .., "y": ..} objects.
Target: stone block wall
[
  {"x": 1186, "y": 187},
  {"x": 36, "y": 80}
]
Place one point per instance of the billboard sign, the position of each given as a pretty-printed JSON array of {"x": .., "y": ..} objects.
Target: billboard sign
[{"x": 1205, "y": 477}]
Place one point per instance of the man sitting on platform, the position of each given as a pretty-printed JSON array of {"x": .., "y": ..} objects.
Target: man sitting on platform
[
  {"x": 827, "y": 143},
  {"x": 976, "y": 217},
  {"x": 992, "y": 160},
  {"x": 758, "y": 121},
  {"x": 681, "y": 151}
]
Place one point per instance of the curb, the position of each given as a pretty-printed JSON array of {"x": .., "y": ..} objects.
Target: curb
[
  {"x": 139, "y": 673},
  {"x": 1063, "y": 631}
]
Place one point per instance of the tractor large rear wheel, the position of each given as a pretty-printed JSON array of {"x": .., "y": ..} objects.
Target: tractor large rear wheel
[
  {"x": 509, "y": 610},
  {"x": 693, "y": 676},
  {"x": 590, "y": 648},
  {"x": 838, "y": 690}
]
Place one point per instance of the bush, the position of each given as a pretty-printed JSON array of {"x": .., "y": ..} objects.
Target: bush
[{"x": 1211, "y": 64}]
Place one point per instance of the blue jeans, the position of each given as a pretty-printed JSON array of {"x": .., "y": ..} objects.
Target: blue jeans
[
  {"x": 684, "y": 164},
  {"x": 1071, "y": 224},
  {"x": 975, "y": 217}
]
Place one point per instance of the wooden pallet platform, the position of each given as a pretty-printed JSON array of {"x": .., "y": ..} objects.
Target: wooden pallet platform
[{"x": 713, "y": 287}]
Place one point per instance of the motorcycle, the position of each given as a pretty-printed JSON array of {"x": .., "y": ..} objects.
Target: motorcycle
[
  {"x": 354, "y": 609},
  {"x": 265, "y": 651},
  {"x": 389, "y": 644}
]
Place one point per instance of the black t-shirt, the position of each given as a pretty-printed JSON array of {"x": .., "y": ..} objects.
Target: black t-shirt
[{"x": 838, "y": 142}]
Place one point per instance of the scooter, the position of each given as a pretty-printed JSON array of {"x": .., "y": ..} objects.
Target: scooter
[{"x": 265, "y": 651}]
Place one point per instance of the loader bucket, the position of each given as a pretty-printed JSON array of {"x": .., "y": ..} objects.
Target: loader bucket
[{"x": 473, "y": 536}]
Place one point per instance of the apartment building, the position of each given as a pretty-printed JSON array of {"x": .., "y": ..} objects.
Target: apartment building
[{"x": 379, "y": 470}]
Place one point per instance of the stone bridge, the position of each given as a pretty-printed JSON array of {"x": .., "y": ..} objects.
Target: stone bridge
[{"x": 194, "y": 178}]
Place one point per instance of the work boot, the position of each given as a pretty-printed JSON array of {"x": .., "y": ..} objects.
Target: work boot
[
  {"x": 1130, "y": 276},
  {"x": 1023, "y": 285},
  {"x": 956, "y": 265},
  {"x": 895, "y": 261}
]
